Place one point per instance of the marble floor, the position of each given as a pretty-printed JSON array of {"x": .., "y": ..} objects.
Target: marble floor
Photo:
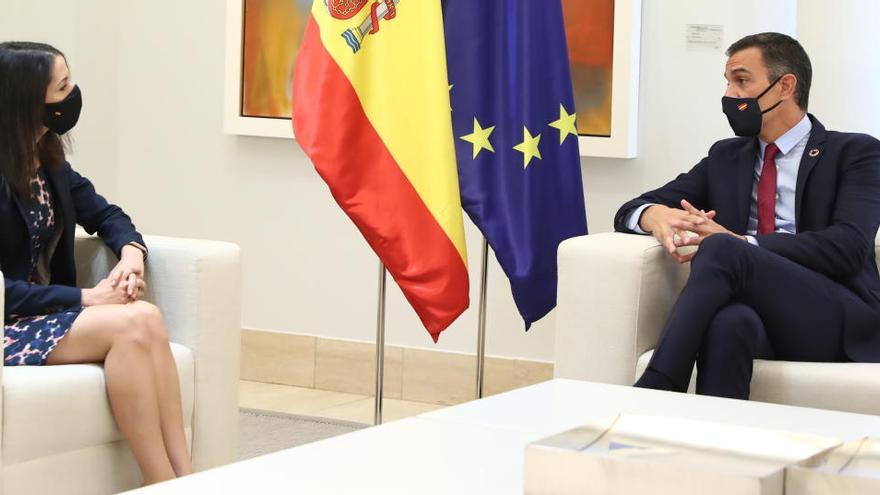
[{"x": 323, "y": 403}]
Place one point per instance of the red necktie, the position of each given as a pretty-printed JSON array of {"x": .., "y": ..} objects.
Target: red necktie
[{"x": 767, "y": 192}]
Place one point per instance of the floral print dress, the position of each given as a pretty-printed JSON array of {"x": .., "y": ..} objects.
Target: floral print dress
[{"x": 28, "y": 340}]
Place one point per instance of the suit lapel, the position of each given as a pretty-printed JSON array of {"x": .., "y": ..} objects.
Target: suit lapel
[
  {"x": 60, "y": 192},
  {"x": 812, "y": 154},
  {"x": 745, "y": 177},
  {"x": 22, "y": 210}
]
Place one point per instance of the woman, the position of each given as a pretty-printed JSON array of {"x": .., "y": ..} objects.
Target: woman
[{"x": 47, "y": 320}]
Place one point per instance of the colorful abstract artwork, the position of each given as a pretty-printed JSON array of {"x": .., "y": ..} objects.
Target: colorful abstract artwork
[
  {"x": 272, "y": 33},
  {"x": 273, "y": 29},
  {"x": 589, "y": 27}
]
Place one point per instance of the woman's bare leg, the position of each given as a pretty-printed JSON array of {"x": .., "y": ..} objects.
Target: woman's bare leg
[
  {"x": 121, "y": 338},
  {"x": 168, "y": 390}
]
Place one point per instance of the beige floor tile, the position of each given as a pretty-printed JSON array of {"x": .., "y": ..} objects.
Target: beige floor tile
[
  {"x": 362, "y": 411},
  {"x": 277, "y": 357},
  {"x": 291, "y": 400},
  {"x": 350, "y": 367}
]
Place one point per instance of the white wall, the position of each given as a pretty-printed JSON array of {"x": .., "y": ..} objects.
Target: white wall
[
  {"x": 87, "y": 32},
  {"x": 680, "y": 97},
  {"x": 151, "y": 136},
  {"x": 842, "y": 39}
]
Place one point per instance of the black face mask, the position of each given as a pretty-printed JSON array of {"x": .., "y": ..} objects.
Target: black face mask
[
  {"x": 744, "y": 114},
  {"x": 60, "y": 117}
]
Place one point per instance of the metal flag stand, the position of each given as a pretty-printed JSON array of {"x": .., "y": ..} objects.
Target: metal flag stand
[
  {"x": 380, "y": 346},
  {"x": 380, "y": 334},
  {"x": 481, "y": 325}
]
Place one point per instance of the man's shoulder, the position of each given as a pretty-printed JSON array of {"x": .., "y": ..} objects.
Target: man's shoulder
[
  {"x": 734, "y": 142},
  {"x": 839, "y": 139},
  {"x": 851, "y": 139},
  {"x": 730, "y": 147}
]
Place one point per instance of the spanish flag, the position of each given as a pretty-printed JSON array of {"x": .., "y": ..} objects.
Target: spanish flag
[{"x": 371, "y": 110}]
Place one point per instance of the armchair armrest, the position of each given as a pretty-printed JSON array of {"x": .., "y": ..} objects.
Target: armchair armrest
[
  {"x": 615, "y": 292},
  {"x": 196, "y": 285}
]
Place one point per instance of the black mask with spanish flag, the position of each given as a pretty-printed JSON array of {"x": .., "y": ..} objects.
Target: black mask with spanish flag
[{"x": 744, "y": 114}]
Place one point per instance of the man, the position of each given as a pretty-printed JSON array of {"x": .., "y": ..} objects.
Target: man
[{"x": 785, "y": 218}]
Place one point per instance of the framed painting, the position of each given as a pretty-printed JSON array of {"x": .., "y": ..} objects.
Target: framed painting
[
  {"x": 603, "y": 47},
  {"x": 262, "y": 40}
]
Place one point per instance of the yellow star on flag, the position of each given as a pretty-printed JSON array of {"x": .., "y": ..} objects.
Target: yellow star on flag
[
  {"x": 565, "y": 124},
  {"x": 480, "y": 138},
  {"x": 529, "y": 147}
]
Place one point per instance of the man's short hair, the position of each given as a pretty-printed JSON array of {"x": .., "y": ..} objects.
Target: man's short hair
[{"x": 782, "y": 55}]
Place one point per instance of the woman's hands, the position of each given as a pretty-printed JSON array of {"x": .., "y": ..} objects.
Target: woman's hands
[
  {"x": 125, "y": 283},
  {"x": 108, "y": 293},
  {"x": 129, "y": 270}
]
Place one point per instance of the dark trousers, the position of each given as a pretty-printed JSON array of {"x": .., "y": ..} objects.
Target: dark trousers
[{"x": 743, "y": 302}]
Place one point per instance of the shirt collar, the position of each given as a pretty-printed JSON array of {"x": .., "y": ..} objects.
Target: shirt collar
[{"x": 791, "y": 137}]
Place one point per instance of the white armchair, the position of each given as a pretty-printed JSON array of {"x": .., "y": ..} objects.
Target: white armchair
[
  {"x": 57, "y": 434},
  {"x": 615, "y": 294}
]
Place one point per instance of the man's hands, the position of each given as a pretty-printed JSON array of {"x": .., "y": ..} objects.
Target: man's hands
[
  {"x": 669, "y": 225},
  {"x": 672, "y": 227}
]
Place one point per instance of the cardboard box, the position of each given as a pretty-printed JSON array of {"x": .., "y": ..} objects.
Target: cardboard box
[
  {"x": 631, "y": 454},
  {"x": 853, "y": 468}
]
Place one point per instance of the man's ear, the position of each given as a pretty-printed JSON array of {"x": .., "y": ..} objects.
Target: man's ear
[{"x": 789, "y": 84}]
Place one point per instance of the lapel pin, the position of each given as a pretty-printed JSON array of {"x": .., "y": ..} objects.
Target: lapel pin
[{"x": 814, "y": 152}]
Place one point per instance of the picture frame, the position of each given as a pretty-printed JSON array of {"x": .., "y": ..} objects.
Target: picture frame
[
  {"x": 234, "y": 122},
  {"x": 621, "y": 143},
  {"x": 622, "y": 140}
]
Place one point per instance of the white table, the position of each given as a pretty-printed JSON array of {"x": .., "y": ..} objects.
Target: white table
[{"x": 478, "y": 447}]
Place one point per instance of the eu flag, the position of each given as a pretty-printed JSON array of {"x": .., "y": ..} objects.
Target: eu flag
[{"x": 516, "y": 143}]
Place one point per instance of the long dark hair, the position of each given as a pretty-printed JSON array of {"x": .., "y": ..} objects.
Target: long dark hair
[{"x": 25, "y": 74}]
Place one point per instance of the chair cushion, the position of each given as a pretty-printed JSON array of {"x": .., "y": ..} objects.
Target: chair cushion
[
  {"x": 849, "y": 387},
  {"x": 55, "y": 409}
]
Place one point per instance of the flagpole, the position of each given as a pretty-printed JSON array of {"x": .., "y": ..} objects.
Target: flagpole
[
  {"x": 380, "y": 346},
  {"x": 481, "y": 325}
]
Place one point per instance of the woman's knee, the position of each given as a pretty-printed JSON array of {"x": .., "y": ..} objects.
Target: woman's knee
[
  {"x": 141, "y": 325},
  {"x": 149, "y": 316},
  {"x": 134, "y": 336}
]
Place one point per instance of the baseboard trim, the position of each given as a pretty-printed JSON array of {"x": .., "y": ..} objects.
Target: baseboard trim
[{"x": 411, "y": 374}]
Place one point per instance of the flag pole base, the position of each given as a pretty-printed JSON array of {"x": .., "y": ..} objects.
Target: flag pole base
[
  {"x": 481, "y": 326},
  {"x": 380, "y": 346}
]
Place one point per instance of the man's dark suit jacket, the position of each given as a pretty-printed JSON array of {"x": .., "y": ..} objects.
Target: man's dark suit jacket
[
  {"x": 837, "y": 214},
  {"x": 76, "y": 202}
]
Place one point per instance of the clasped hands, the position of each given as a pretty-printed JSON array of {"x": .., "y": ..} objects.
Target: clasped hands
[
  {"x": 675, "y": 228},
  {"x": 125, "y": 283}
]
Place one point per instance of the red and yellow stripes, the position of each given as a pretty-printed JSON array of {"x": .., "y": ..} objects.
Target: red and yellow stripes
[{"x": 376, "y": 124}]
